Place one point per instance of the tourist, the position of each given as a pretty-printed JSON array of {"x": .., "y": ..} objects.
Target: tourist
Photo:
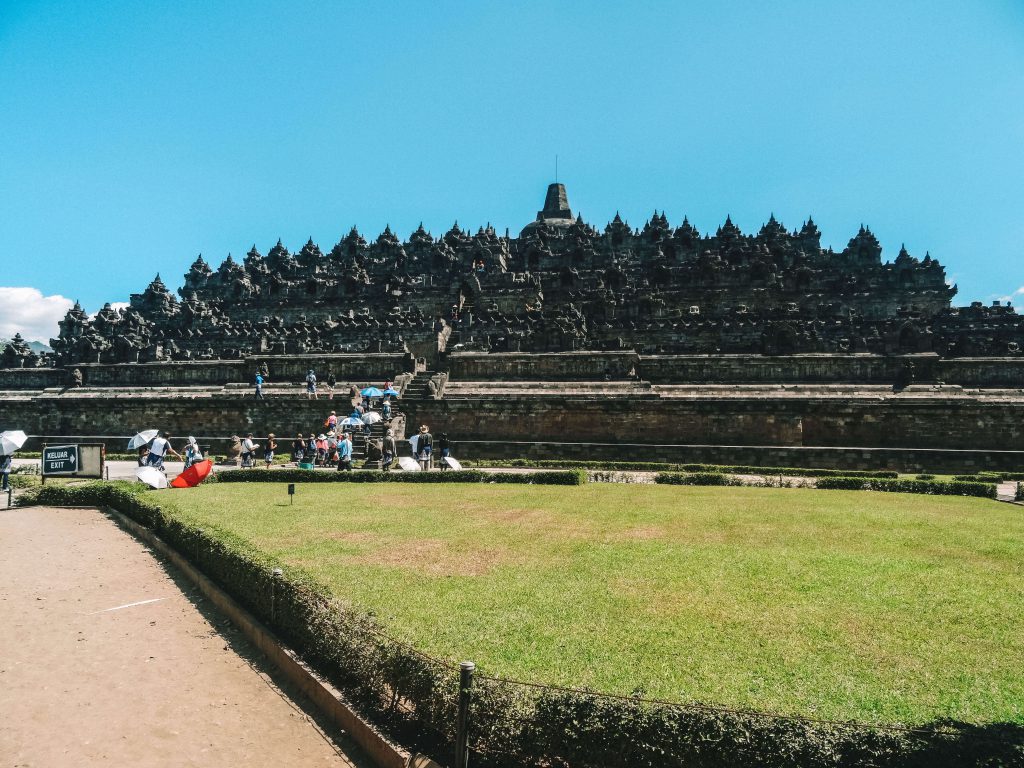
[
  {"x": 321, "y": 449},
  {"x": 353, "y": 394},
  {"x": 331, "y": 383},
  {"x": 332, "y": 447},
  {"x": 385, "y": 409},
  {"x": 387, "y": 386},
  {"x": 311, "y": 385},
  {"x": 345, "y": 453},
  {"x": 143, "y": 455},
  {"x": 332, "y": 422},
  {"x": 388, "y": 450},
  {"x": 424, "y": 447},
  {"x": 158, "y": 448},
  {"x": 248, "y": 451},
  {"x": 192, "y": 452},
  {"x": 311, "y": 449},
  {"x": 298, "y": 448},
  {"x": 444, "y": 447},
  {"x": 268, "y": 452},
  {"x": 259, "y": 386},
  {"x": 5, "y": 471}
]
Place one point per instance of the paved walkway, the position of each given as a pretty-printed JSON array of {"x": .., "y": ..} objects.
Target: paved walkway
[{"x": 106, "y": 659}]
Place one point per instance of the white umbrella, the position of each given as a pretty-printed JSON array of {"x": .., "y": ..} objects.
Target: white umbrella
[
  {"x": 453, "y": 463},
  {"x": 371, "y": 417},
  {"x": 143, "y": 438},
  {"x": 351, "y": 421},
  {"x": 409, "y": 464},
  {"x": 11, "y": 441},
  {"x": 152, "y": 477}
]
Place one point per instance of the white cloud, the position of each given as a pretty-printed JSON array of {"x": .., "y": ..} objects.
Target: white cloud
[
  {"x": 1016, "y": 298},
  {"x": 28, "y": 312}
]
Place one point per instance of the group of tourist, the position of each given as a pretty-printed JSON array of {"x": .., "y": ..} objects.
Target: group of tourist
[
  {"x": 331, "y": 447},
  {"x": 152, "y": 454}
]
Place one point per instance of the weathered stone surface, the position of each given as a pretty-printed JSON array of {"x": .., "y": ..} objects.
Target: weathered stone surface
[{"x": 560, "y": 285}]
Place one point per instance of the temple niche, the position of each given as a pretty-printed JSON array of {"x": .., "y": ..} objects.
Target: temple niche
[{"x": 561, "y": 284}]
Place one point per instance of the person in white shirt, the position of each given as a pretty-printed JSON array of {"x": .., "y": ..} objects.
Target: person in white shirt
[
  {"x": 248, "y": 451},
  {"x": 159, "y": 448}
]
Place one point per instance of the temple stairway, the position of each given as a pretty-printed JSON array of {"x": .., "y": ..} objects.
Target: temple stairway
[{"x": 418, "y": 388}]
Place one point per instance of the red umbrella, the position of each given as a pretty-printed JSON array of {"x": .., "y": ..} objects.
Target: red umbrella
[{"x": 194, "y": 475}]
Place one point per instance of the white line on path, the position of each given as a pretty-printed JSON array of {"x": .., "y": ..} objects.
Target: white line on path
[{"x": 129, "y": 605}]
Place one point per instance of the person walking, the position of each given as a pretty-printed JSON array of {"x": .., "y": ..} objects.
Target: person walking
[
  {"x": 424, "y": 447},
  {"x": 345, "y": 453},
  {"x": 444, "y": 448},
  {"x": 5, "y": 471},
  {"x": 259, "y": 386},
  {"x": 332, "y": 422},
  {"x": 311, "y": 449},
  {"x": 388, "y": 450},
  {"x": 159, "y": 448},
  {"x": 321, "y": 449},
  {"x": 248, "y": 452},
  {"x": 192, "y": 452},
  {"x": 268, "y": 452},
  {"x": 385, "y": 409},
  {"x": 298, "y": 448},
  {"x": 311, "y": 385},
  {"x": 332, "y": 382}
]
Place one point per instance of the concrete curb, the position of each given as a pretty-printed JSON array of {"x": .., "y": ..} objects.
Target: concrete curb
[{"x": 323, "y": 695}]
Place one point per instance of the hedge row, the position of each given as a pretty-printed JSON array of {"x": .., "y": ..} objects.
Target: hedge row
[
  {"x": 660, "y": 466},
  {"x": 412, "y": 698},
  {"x": 697, "y": 478},
  {"x": 571, "y": 477},
  {"x": 956, "y": 488}
]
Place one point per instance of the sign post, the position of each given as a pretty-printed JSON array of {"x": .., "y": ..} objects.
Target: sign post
[{"x": 70, "y": 460}]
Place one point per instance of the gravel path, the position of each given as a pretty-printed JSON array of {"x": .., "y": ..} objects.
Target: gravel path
[{"x": 107, "y": 659}]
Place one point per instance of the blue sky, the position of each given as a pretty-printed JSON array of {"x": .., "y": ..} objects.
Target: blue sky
[{"x": 137, "y": 135}]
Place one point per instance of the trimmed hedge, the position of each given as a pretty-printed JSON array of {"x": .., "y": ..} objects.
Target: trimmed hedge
[
  {"x": 656, "y": 466},
  {"x": 955, "y": 488},
  {"x": 572, "y": 477},
  {"x": 412, "y": 697},
  {"x": 697, "y": 478},
  {"x": 990, "y": 477}
]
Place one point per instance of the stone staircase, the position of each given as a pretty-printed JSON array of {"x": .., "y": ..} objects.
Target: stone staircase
[{"x": 419, "y": 388}]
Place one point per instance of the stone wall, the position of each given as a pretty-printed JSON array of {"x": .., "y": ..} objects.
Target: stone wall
[
  {"x": 292, "y": 368},
  {"x": 939, "y": 429},
  {"x": 783, "y": 369},
  {"x": 898, "y": 459},
  {"x": 211, "y": 419},
  {"x": 554, "y": 366}
]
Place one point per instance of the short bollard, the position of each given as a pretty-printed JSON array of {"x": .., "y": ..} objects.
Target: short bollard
[
  {"x": 462, "y": 723},
  {"x": 277, "y": 574}
]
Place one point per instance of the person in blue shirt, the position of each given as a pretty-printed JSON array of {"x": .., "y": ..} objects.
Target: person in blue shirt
[
  {"x": 345, "y": 453},
  {"x": 259, "y": 386}
]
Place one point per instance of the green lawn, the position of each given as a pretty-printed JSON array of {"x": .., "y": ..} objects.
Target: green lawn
[{"x": 873, "y": 606}]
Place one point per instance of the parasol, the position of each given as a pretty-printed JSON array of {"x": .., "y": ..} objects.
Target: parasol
[
  {"x": 194, "y": 475},
  {"x": 11, "y": 441},
  {"x": 152, "y": 477},
  {"x": 144, "y": 437}
]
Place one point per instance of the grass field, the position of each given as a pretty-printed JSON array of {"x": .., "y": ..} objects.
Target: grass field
[{"x": 877, "y": 607}]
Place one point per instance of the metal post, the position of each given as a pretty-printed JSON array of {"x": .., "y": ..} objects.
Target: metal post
[
  {"x": 10, "y": 495},
  {"x": 462, "y": 723}
]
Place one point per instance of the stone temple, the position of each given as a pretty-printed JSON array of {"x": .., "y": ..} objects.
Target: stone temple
[{"x": 730, "y": 346}]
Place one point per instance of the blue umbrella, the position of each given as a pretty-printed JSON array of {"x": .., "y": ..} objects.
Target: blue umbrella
[
  {"x": 391, "y": 392},
  {"x": 371, "y": 392}
]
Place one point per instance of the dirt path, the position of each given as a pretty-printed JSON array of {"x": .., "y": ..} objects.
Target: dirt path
[{"x": 106, "y": 659}]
